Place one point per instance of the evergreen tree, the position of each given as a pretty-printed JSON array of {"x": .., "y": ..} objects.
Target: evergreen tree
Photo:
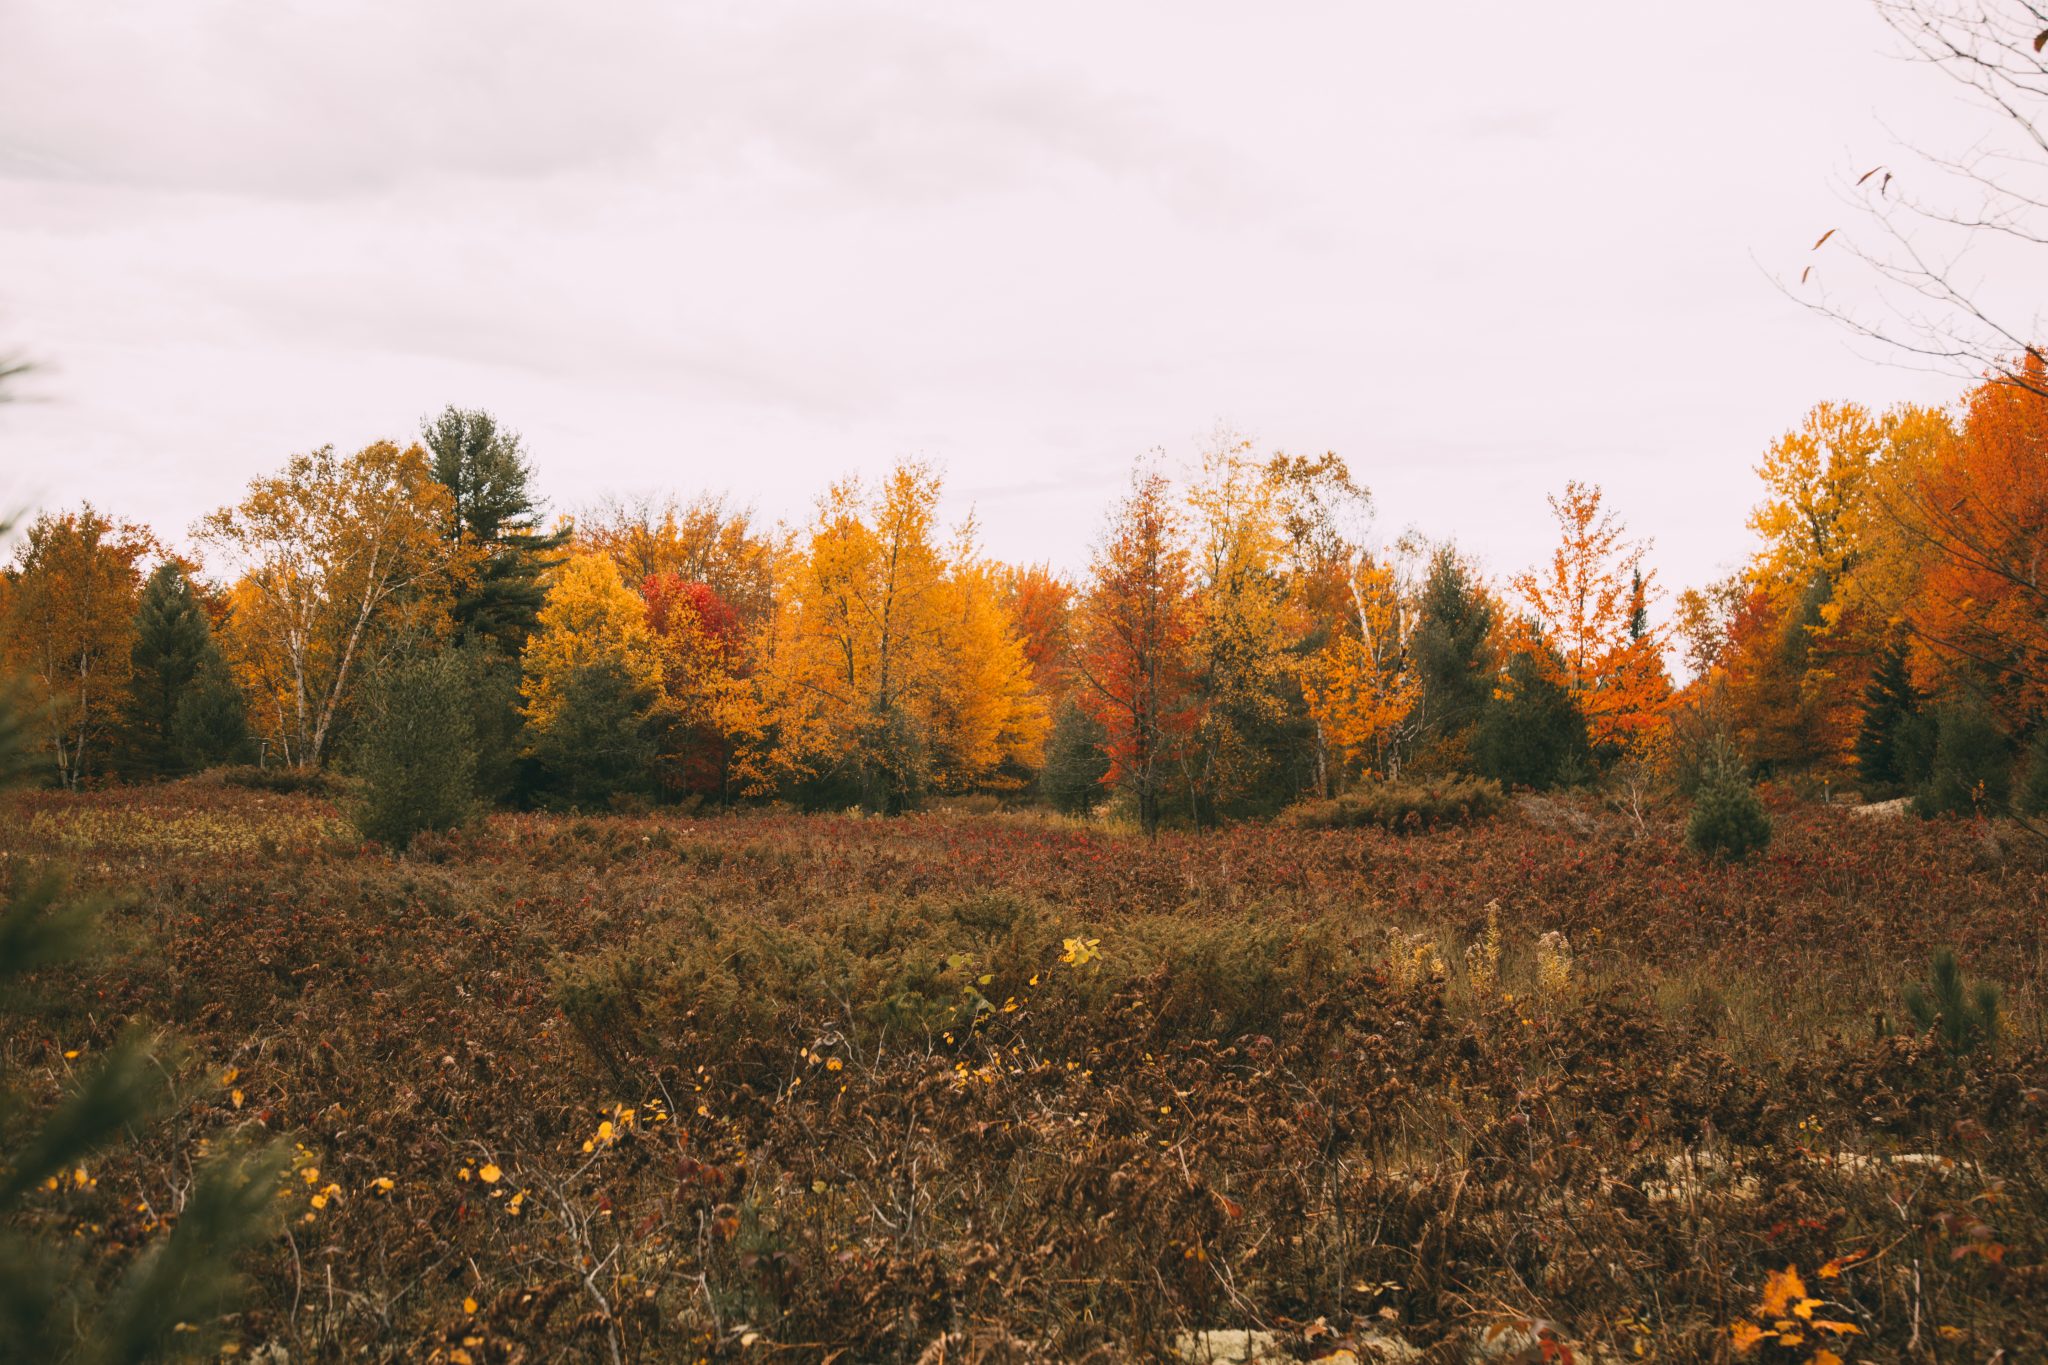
[
  {"x": 1076, "y": 761},
  {"x": 486, "y": 470},
  {"x": 211, "y": 724},
  {"x": 1450, "y": 646},
  {"x": 1535, "y": 734},
  {"x": 1727, "y": 821},
  {"x": 183, "y": 710},
  {"x": 1972, "y": 769},
  {"x": 50, "y": 1305},
  {"x": 2032, "y": 797},
  {"x": 600, "y": 743},
  {"x": 1890, "y": 704},
  {"x": 418, "y": 752}
]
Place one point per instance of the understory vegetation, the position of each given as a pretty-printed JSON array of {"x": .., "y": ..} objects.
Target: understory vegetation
[{"x": 769, "y": 1086}]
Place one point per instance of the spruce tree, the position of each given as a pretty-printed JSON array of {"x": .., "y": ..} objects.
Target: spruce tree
[
  {"x": 183, "y": 710},
  {"x": 1890, "y": 703},
  {"x": 417, "y": 754},
  {"x": 52, "y": 1304},
  {"x": 1535, "y": 734},
  {"x": 601, "y": 744},
  {"x": 486, "y": 469},
  {"x": 1075, "y": 761},
  {"x": 1972, "y": 768},
  {"x": 1449, "y": 646}
]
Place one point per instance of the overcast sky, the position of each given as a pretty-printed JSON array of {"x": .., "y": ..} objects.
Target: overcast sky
[{"x": 1475, "y": 250}]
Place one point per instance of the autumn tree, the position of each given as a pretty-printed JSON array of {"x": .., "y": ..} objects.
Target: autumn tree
[
  {"x": 339, "y": 557},
  {"x": 701, "y": 644},
  {"x": 891, "y": 662},
  {"x": 495, "y": 524},
  {"x": 707, "y": 540},
  {"x": 1240, "y": 645},
  {"x": 1590, "y": 606},
  {"x": 1133, "y": 635},
  {"x": 1322, "y": 516},
  {"x": 1978, "y": 611},
  {"x": 1361, "y": 686},
  {"x": 70, "y": 606}
]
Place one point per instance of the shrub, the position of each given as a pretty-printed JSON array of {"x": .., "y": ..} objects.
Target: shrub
[
  {"x": 1972, "y": 770},
  {"x": 417, "y": 755},
  {"x": 1402, "y": 806},
  {"x": 1966, "y": 1015},
  {"x": 1727, "y": 821}
]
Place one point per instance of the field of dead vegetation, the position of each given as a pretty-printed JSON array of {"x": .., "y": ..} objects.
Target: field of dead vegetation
[{"x": 769, "y": 1087}]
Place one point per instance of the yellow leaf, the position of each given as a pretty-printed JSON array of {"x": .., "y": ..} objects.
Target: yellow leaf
[
  {"x": 1746, "y": 1335},
  {"x": 236, "y": 1097},
  {"x": 489, "y": 1174},
  {"x": 1782, "y": 1288},
  {"x": 1825, "y": 1357},
  {"x": 469, "y": 1305}
]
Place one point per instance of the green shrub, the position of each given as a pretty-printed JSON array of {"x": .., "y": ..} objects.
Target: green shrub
[
  {"x": 1403, "y": 806},
  {"x": 1972, "y": 769},
  {"x": 417, "y": 755},
  {"x": 1727, "y": 821},
  {"x": 1965, "y": 1016}
]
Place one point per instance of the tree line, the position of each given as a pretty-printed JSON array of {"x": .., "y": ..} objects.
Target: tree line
[{"x": 1238, "y": 642}]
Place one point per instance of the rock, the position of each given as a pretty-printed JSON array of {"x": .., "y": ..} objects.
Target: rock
[{"x": 1883, "y": 810}]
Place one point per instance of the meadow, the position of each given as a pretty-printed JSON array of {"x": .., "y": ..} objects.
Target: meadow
[{"x": 966, "y": 1086}]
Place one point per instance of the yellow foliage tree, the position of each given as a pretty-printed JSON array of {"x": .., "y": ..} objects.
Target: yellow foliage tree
[
  {"x": 1359, "y": 687},
  {"x": 337, "y": 557},
  {"x": 885, "y": 657},
  {"x": 67, "y": 619},
  {"x": 590, "y": 618}
]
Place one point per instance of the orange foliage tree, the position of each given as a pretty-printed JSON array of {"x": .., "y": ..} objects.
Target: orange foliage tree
[
  {"x": 1133, "y": 633},
  {"x": 1980, "y": 511},
  {"x": 1591, "y": 605},
  {"x": 67, "y": 620}
]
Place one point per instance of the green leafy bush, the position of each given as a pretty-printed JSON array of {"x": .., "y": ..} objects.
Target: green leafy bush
[{"x": 1403, "y": 806}]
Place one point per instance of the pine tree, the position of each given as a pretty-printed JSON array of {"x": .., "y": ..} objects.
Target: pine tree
[
  {"x": 1450, "y": 646},
  {"x": 485, "y": 469},
  {"x": 1533, "y": 734},
  {"x": 418, "y": 752},
  {"x": 1972, "y": 768},
  {"x": 1890, "y": 701},
  {"x": 183, "y": 710},
  {"x": 49, "y": 1309}
]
